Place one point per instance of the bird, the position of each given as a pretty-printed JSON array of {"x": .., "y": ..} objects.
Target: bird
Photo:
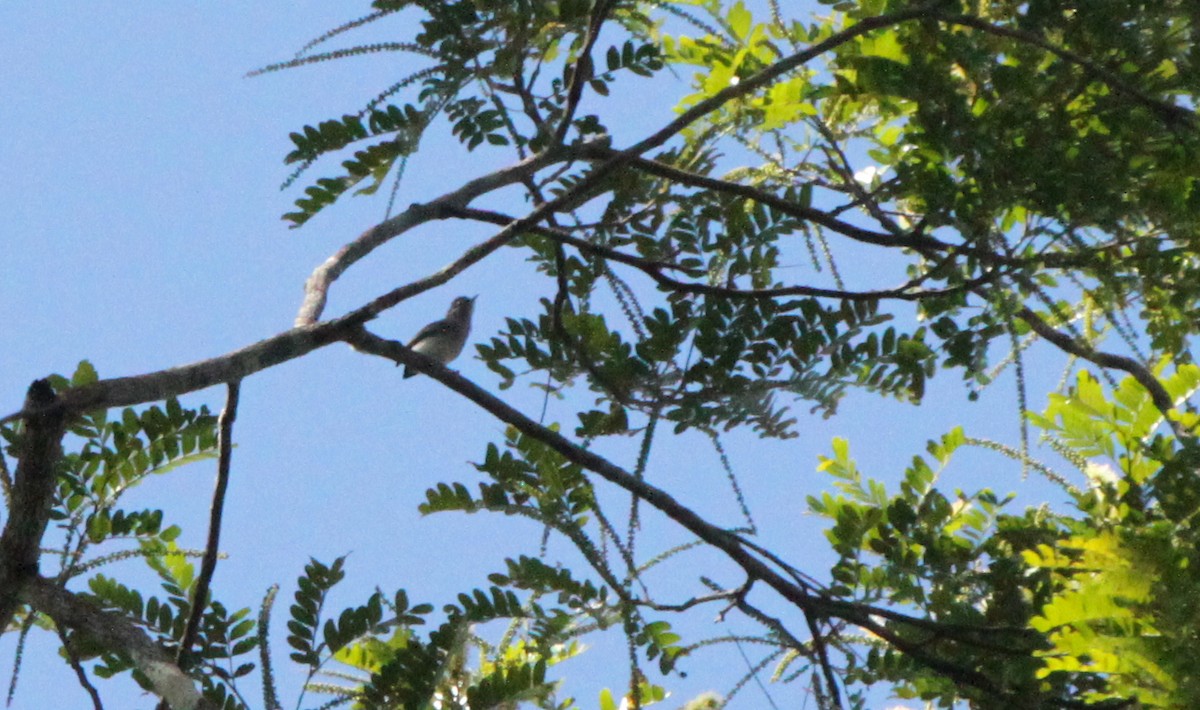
[{"x": 444, "y": 339}]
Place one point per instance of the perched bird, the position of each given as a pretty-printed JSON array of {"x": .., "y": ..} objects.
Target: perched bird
[{"x": 444, "y": 339}]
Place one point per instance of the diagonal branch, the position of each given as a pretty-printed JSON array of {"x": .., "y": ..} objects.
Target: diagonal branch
[
  {"x": 1158, "y": 394},
  {"x": 175, "y": 381},
  {"x": 80, "y": 673},
  {"x": 770, "y": 199},
  {"x": 821, "y": 651},
  {"x": 914, "y": 239},
  {"x": 288, "y": 345},
  {"x": 318, "y": 283},
  {"x": 316, "y": 289},
  {"x": 818, "y": 606},
  {"x": 113, "y": 631},
  {"x": 816, "y": 650}
]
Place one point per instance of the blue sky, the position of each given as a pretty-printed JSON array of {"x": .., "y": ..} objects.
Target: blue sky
[{"x": 142, "y": 231}]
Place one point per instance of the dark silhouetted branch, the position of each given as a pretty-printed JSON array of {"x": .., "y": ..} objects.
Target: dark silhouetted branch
[
  {"x": 582, "y": 70},
  {"x": 209, "y": 564},
  {"x": 816, "y": 605},
  {"x": 40, "y": 449},
  {"x": 905, "y": 292},
  {"x": 80, "y": 673},
  {"x": 1158, "y": 394}
]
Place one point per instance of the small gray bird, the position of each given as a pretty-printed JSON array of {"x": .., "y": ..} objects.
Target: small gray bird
[{"x": 444, "y": 339}]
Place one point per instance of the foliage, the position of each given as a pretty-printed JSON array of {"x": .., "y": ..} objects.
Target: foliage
[
  {"x": 840, "y": 203},
  {"x": 1109, "y": 587},
  {"x": 111, "y": 457}
]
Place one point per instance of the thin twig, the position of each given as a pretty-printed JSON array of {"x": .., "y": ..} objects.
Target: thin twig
[
  {"x": 209, "y": 564},
  {"x": 80, "y": 673},
  {"x": 654, "y": 269},
  {"x": 756, "y": 669},
  {"x": 725, "y": 595},
  {"x": 822, "y": 653},
  {"x": 582, "y": 70},
  {"x": 1158, "y": 394}
]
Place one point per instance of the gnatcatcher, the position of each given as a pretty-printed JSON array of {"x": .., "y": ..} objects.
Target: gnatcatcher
[{"x": 444, "y": 339}]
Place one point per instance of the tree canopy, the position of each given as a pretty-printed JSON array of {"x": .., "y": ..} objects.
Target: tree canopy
[{"x": 856, "y": 197}]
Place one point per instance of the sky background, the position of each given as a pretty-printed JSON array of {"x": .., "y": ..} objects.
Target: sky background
[{"x": 140, "y": 190}]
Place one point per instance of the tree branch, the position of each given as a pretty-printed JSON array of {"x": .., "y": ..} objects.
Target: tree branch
[
  {"x": 770, "y": 199},
  {"x": 318, "y": 283},
  {"x": 80, "y": 673},
  {"x": 581, "y": 71},
  {"x": 654, "y": 269},
  {"x": 815, "y": 605},
  {"x": 175, "y": 381},
  {"x": 209, "y": 564},
  {"x": 291, "y": 344},
  {"x": 116, "y": 632},
  {"x": 821, "y": 652},
  {"x": 1158, "y": 394},
  {"x": 40, "y": 449},
  {"x": 914, "y": 239},
  {"x": 917, "y": 239},
  {"x": 316, "y": 288}
]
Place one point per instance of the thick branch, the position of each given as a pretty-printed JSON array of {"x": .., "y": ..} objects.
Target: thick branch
[
  {"x": 175, "y": 381},
  {"x": 318, "y": 283},
  {"x": 115, "y": 632},
  {"x": 316, "y": 289},
  {"x": 33, "y": 489},
  {"x": 291, "y": 344}
]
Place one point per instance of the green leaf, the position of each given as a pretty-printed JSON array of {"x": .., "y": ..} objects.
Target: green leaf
[
  {"x": 740, "y": 20},
  {"x": 85, "y": 374}
]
